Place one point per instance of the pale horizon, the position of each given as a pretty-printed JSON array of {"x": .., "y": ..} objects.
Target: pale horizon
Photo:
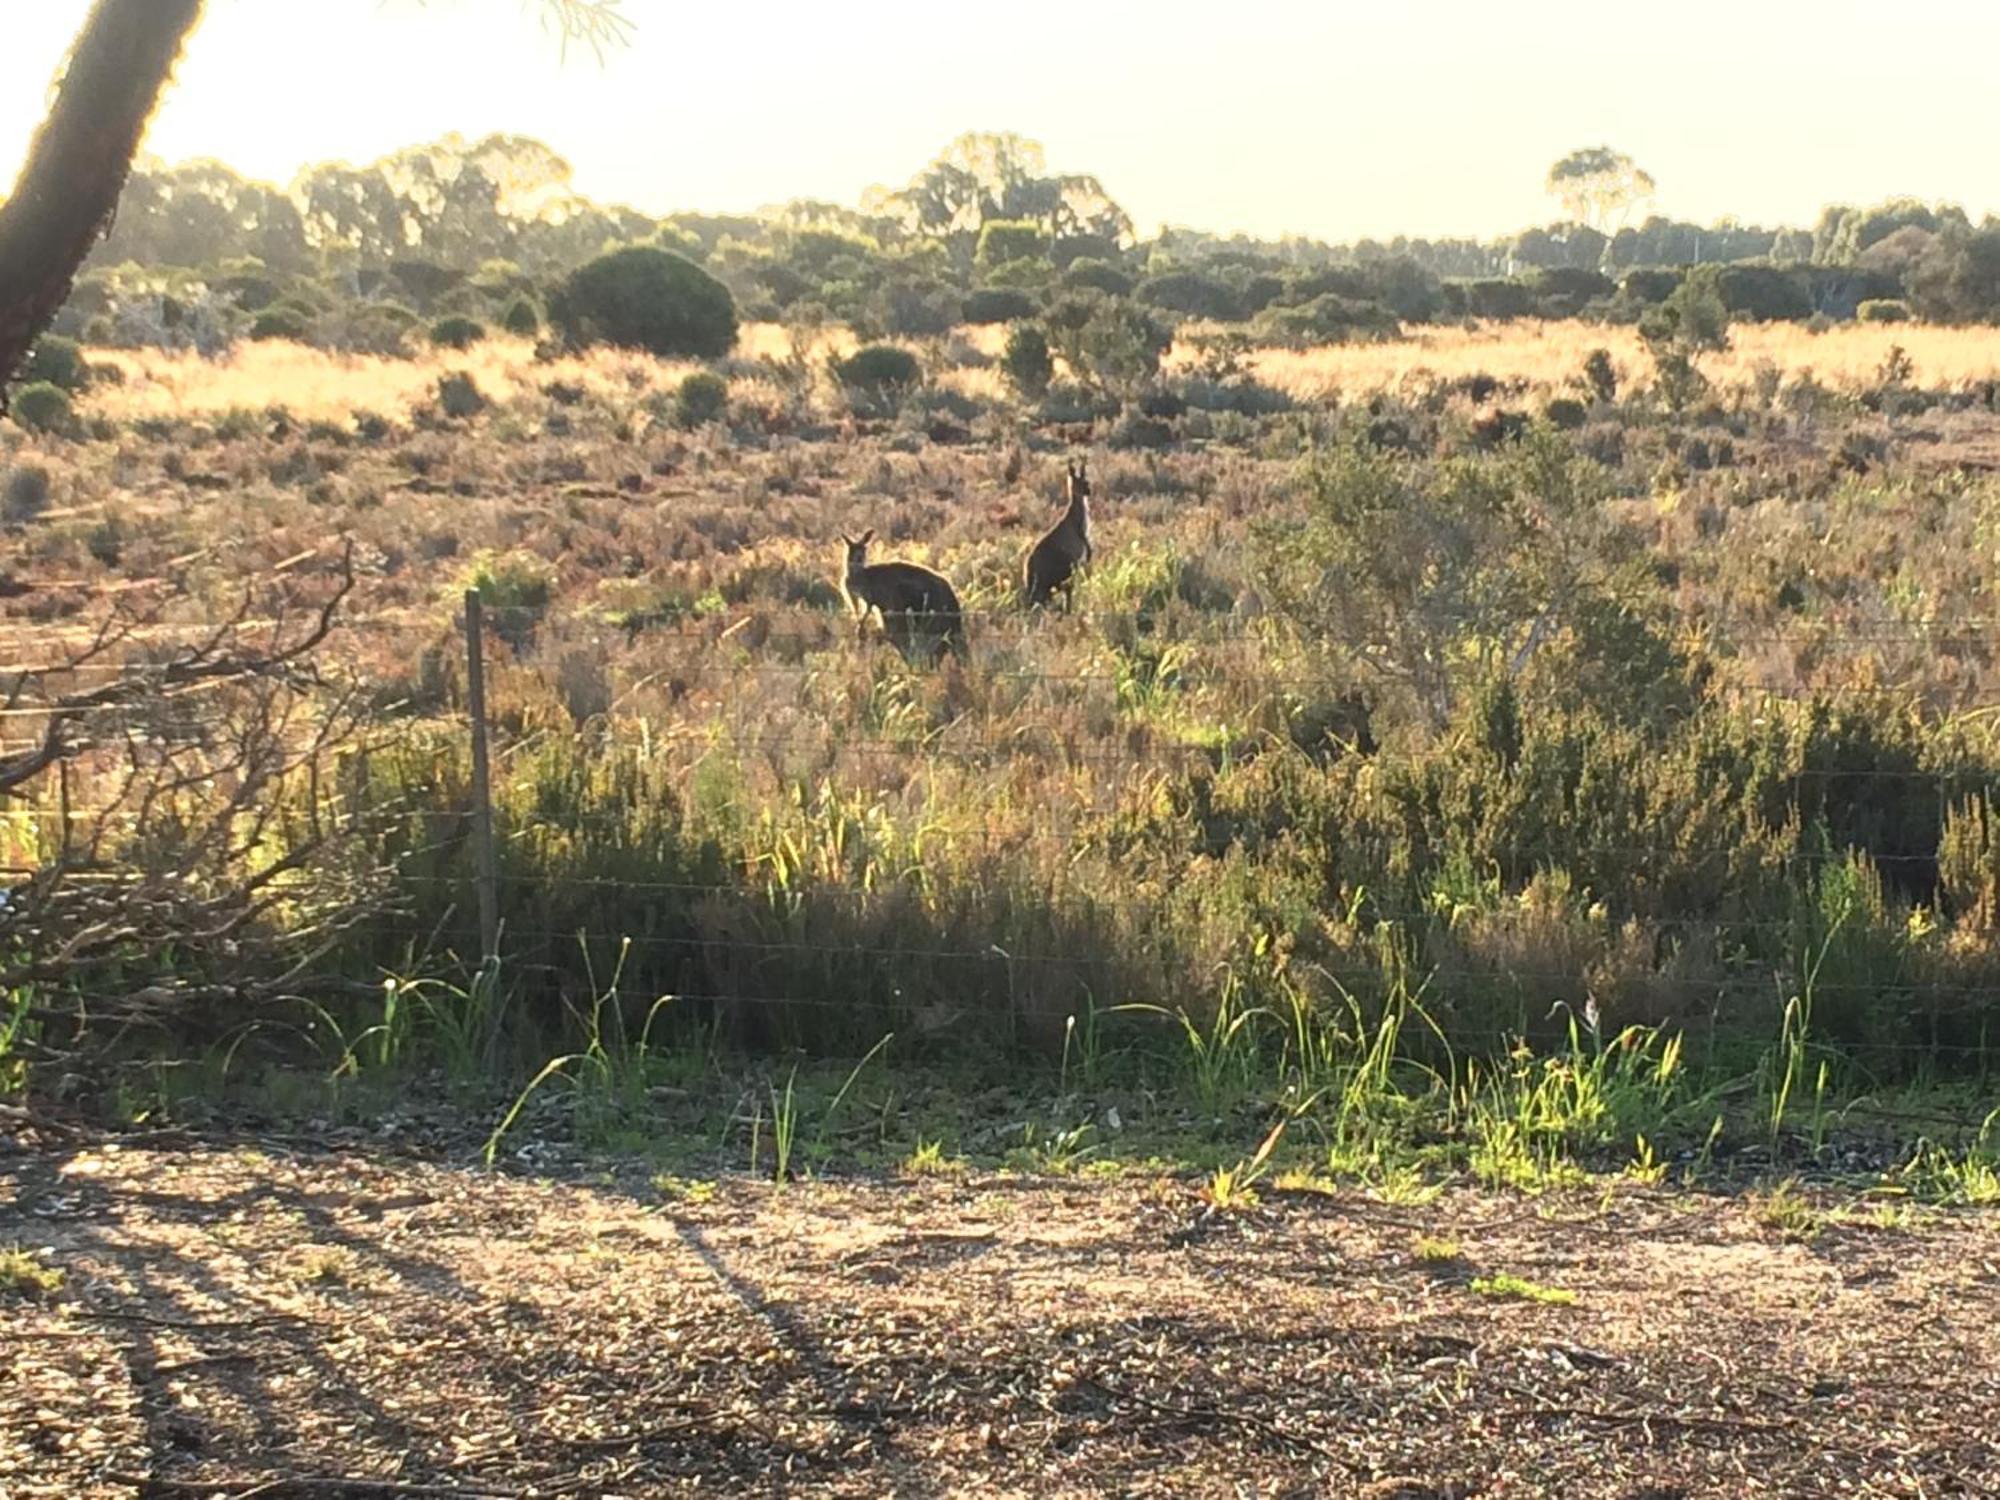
[{"x": 1434, "y": 121}]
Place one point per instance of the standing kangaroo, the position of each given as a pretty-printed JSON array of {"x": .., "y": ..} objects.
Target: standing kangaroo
[
  {"x": 1064, "y": 547},
  {"x": 920, "y": 612}
]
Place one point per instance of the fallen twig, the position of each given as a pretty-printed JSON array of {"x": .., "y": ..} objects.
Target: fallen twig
[
  {"x": 305, "y": 1484},
  {"x": 1651, "y": 1418},
  {"x": 194, "y": 1324}
]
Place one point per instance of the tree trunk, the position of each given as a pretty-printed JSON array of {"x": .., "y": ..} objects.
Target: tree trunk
[{"x": 78, "y": 163}]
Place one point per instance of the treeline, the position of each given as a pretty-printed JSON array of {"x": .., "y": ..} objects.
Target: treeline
[{"x": 449, "y": 238}]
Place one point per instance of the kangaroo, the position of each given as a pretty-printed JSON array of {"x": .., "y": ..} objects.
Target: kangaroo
[
  {"x": 1064, "y": 547},
  {"x": 920, "y": 612}
]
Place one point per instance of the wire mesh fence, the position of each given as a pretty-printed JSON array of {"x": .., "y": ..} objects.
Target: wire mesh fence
[{"x": 757, "y": 900}]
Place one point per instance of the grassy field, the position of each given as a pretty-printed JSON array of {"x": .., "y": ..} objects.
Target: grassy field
[
  {"x": 1335, "y": 731},
  {"x": 1549, "y": 354},
  {"x": 1290, "y": 1013}
]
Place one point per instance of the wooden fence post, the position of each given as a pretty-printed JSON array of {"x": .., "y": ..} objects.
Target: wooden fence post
[{"x": 486, "y": 867}]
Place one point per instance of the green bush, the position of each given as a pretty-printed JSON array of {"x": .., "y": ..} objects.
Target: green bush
[
  {"x": 1566, "y": 413},
  {"x": 1027, "y": 363},
  {"x": 1097, "y": 276},
  {"x": 1764, "y": 294},
  {"x": 1192, "y": 295},
  {"x": 457, "y": 332},
  {"x": 1692, "y": 322},
  {"x": 1003, "y": 240},
  {"x": 24, "y": 493},
  {"x": 1032, "y": 276},
  {"x": 58, "y": 361},
  {"x": 44, "y": 407},
  {"x": 1883, "y": 310},
  {"x": 249, "y": 291},
  {"x": 998, "y": 305},
  {"x": 1600, "y": 376},
  {"x": 1327, "y": 319},
  {"x": 916, "y": 309},
  {"x": 515, "y": 587},
  {"x": 1118, "y": 343},
  {"x": 522, "y": 318},
  {"x": 458, "y": 395},
  {"x": 1497, "y": 297},
  {"x": 879, "y": 371},
  {"x": 1650, "y": 285},
  {"x": 280, "y": 323},
  {"x": 700, "y": 399},
  {"x": 641, "y": 298},
  {"x": 1564, "y": 291}
]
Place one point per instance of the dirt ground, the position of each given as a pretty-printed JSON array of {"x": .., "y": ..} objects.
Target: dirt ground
[{"x": 281, "y": 1320}]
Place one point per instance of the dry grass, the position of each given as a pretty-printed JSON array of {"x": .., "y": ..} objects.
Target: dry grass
[
  {"x": 315, "y": 385},
  {"x": 1031, "y": 801},
  {"x": 1550, "y": 354},
  {"x": 318, "y": 386}
]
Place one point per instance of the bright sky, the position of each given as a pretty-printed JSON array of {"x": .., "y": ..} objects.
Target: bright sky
[{"x": 1316, "y": 117}]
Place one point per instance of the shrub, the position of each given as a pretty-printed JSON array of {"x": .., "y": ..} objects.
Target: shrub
[
  {"x": 912, "y": 309},
  {"x": 641, "y": 298},
  {"x": 515, "y": 587},
  {"x": 1072, "y": 248},
  {"x": 249, "y": 291},
  {"x": 1403, "y": 286},
  {"x": 1566, "y": 413},
  {"x": 369, "y": 328},
  {"x": 522, "y": 318},
  {"x": 702, "y": 398},
  {"x": 1027, "y": 362},
  {"x": 1191, "y": 294},
  {"x": 44, "y": 407},
  {"x": 1328, "y": 319},
  {"x": 458, "y": 395},
  {"x": 1691, "y": 323},
  {"x": 1883, "y": 310},
  {"x": 1097, "y": 276},
  {"x": 1650, "y": 285},
  {"x": 1066, "y": 401},
  {"x": 1139, "y": 429},
  {"x": 1600, "y": 376},
  {"x": 457, "y": 332},
  {"x": 280, "y": 323},
  {"x": 880, "y": 371},
  {"x": 25, "y": 493},
  {"x": 1019, "y": 276},
  {"x": 1563, "y": 291},
  {"x": 1764, "y": 293},
  {"x": 1119, "y": 344},
  {"x": 998, "y": 305},
  {"x": 1002, "y": 240},
  {"x": 1498, "y": 297},
  {"x": 58, "y": 361}
]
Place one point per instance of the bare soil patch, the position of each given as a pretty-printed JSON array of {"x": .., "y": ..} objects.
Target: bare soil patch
[{"x": 258, "y": 1321}]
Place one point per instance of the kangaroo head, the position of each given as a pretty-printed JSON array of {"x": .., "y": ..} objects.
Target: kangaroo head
[
  {"x": 857, "y": 550},
  {"x": 1077, "y": 486}
]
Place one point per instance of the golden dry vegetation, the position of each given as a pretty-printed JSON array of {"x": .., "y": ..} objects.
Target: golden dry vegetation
[
  {"x": 1801, "y": 567},
  {"x": 1549, "y": 354}
]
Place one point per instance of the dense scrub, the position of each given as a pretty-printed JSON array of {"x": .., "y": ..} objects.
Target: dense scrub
[{"x": 1409, "y": 700}]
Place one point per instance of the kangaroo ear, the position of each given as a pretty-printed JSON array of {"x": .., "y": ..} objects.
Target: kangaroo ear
[{"x": 866, "y": 537}]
